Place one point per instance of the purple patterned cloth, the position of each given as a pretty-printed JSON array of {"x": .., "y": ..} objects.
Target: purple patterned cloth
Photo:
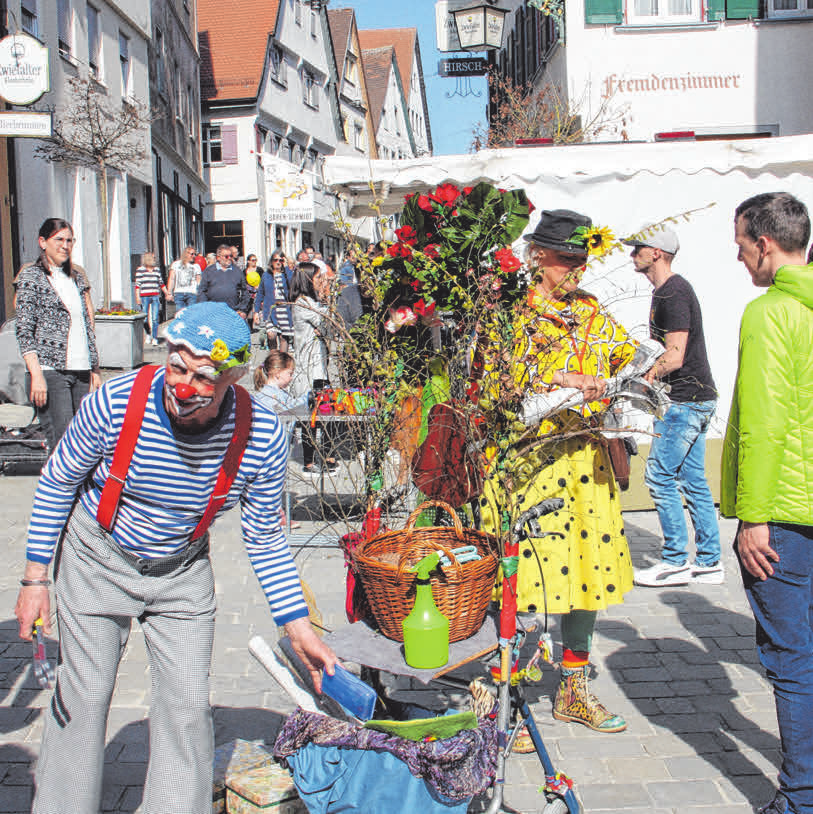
[{"x": 457, "y": 767}]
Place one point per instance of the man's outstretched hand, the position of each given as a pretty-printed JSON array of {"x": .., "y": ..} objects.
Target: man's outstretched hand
[{"x": 315, "y": 654}]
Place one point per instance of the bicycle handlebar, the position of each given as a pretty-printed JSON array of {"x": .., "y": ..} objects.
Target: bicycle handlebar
[{"x": 551, "y": 504}]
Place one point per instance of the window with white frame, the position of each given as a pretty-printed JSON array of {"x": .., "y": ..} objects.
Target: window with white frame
[
  {"x": 212, "y": 144},
  {"x": 160, "y": 70},
  {"x": 94, "y": 62},
  {"x": 64, "y": 23},
  {"x": 190, "y": 108},
  {"x": 789, "y": 8},
  {"x": 663, "y": 12},
  {"x": 124, "y": 61},
  {"x": 29, "y": 19},
  {"x": 310, "y": 90},
  {"x": 278, "y": 69},
  {"x": 358, "y": 136},
  {"x": 180, "y": 99}
]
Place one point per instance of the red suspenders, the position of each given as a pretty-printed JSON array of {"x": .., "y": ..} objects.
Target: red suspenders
[{"x": 125, "y": 446}]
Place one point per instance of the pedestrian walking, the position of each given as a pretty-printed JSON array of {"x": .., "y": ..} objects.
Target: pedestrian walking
[
  {"x": 184, "y": 276},
  {"x": 766, "y": 478},
  {"x": 149, "y": 285},
  {"x": 676, "y": 466}
]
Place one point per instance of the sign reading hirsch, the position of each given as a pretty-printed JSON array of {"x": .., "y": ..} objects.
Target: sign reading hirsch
[
  {"x": 23, "y": 69},
  {"x": 463, "y": 66}
]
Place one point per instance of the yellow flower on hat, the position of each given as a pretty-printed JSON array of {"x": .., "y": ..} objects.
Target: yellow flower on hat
[
  {"x": 219, "y": 351},
  {"x": 599, "y": 240}
]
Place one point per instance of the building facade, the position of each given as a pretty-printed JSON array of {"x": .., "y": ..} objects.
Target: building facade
[
  {"x": 656, "y": 68},
  {"x": 405, "y": 44},
  {"x": 270, "y": 113},
  {"x": 179, "y": 189},
  {"x": 357, "y": 121},
  {"x": 106, "y": 44}
]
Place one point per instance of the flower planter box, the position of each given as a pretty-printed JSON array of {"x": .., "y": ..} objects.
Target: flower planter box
[{"x": 120, "y": 340}]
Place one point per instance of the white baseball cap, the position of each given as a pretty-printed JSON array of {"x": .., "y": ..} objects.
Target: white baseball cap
[{"x": 656, "y": 238}]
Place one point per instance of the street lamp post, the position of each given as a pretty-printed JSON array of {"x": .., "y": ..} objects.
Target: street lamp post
[{"x": 480, "y": 26}]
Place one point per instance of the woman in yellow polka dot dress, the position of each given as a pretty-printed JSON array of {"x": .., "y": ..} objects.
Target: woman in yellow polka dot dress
[{"x": 563, "y": 338}]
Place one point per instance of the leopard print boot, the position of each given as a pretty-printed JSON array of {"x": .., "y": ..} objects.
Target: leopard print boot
[{"x": 574, "y": 702}]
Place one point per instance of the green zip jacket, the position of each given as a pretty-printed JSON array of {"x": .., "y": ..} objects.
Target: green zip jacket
[{"x": 767, "y": 472}]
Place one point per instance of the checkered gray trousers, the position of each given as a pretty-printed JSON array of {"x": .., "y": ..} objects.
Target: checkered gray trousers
[{"x": 99, "y": 591}]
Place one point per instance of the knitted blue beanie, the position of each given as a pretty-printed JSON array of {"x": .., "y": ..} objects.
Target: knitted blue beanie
[{"x": 212, "y": 329}]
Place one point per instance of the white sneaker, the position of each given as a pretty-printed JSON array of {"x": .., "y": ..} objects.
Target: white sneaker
[
  {"x": 663, "y": 573},
  {"x": 708, "y": 574}
]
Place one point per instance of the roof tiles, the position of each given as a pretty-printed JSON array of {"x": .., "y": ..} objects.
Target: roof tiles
[
  {"x": 403, "y": 40},
  {"x": 233, "y": 44}
]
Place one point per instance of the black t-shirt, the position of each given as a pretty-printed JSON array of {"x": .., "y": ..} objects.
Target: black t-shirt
[{"x": 675, "y": 308}]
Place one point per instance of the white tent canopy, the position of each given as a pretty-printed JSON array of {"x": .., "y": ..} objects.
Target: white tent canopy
[{"x": 624, "y": 186}]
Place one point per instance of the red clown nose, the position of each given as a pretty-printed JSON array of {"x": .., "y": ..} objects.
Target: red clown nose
[{"x": 184, "y": 391}]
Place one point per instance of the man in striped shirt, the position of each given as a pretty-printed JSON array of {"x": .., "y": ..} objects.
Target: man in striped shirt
[{"x": 145, "y": 567}]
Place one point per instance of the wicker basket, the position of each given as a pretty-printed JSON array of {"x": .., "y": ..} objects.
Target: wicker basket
[{"x": 461, "y": 591}]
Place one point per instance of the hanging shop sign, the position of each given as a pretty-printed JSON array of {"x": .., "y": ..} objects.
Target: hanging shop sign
[
  {"x": 463, "y": 66},
  {"x": 23, "y": 69},
  {"x": 289, "y": 194},
  {"x": 27, "y": 123}
]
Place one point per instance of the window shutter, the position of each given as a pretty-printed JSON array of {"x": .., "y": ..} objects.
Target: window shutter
[
  {"x": 742, "y": 9},
  {"x": 228, "y": 135},
  {"x": 716, "y": 9},
  {"x": 603, "y": 11}
]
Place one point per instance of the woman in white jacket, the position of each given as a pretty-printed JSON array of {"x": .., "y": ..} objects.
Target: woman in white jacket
[{"x": 310, "y": 349}]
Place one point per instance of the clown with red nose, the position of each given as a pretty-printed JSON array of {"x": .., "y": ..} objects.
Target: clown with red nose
[{"x": 204, "y": 342}]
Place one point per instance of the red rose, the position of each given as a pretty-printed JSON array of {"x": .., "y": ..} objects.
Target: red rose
[
  {"x": 425, "y": 203},
  {"x": 467, "y": 190},
  {"x": 399, "y": 250},
  {"x": 409, "y": 197},
  {"x": 432, "y": 251},
  {"x": 531, "y": 207},
  {"x": 447, "y": 194},
  {"x": 508, "y": 262},
  {"x": 502, "y": 191},
  {"x": 406, "y": 234},
  {"x": 422, "y": 309}
]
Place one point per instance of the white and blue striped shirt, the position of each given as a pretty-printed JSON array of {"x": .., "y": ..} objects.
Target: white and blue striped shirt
[{"x": 168, "y": 485}]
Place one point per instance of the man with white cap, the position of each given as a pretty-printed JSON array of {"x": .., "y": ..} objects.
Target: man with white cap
[
  {"x": 146, "y": 465},
  {"x": 675, "y": 468}
]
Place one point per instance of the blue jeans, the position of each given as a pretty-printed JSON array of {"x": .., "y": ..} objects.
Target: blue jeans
[
  {"x": 675, "y": 467},
  {"x": 782, "y": 609},
  {"x": 150, "y": 305},
  {"x": 184, "y": 299}
]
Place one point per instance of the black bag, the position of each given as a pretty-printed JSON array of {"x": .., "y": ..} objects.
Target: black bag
[{"x": 23, "y": 450}]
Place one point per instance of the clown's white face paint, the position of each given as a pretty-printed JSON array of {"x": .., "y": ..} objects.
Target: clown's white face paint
[{"x": 193, "y": 390}]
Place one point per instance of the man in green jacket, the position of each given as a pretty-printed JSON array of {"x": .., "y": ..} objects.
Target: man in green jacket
[{"x": 768, "y": 472}]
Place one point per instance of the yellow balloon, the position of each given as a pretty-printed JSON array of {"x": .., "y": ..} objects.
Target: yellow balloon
[{"x": 253, "y": 279}]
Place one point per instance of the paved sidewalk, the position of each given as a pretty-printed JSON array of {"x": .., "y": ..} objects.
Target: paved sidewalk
[{"x": 678, "y": 663}]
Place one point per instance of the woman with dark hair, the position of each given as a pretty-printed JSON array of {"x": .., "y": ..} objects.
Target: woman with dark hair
[
  {"x": 307, "y": 291},
  {"x": 54, "y": 328},
  {"x": 272, "y": 303}
]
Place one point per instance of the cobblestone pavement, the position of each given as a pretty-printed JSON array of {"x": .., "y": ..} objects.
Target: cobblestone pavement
[{"x": 678, "y": 663}]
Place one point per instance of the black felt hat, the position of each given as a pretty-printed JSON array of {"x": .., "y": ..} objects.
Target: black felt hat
[{"x": 556, "y": 230}]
